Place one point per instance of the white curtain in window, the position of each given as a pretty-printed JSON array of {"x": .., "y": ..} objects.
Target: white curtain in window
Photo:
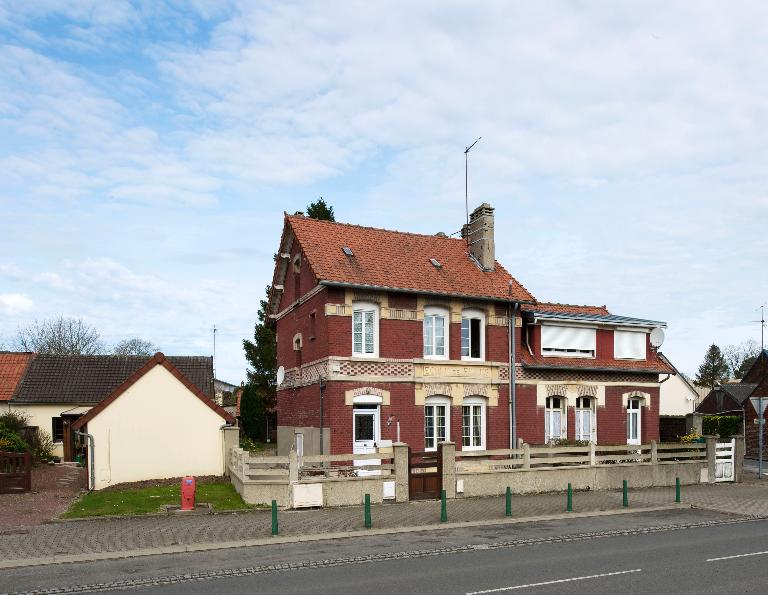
[
  {"x": 567, "y": 337},
  {"x": 629, "y": 344}
]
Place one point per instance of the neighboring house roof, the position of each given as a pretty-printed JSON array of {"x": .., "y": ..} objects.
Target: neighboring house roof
[
  {"x": 759, "y": 368},
  {"x": 222, "y": 385},
  {"x": 385, "y": 259},
  {"x": 12, "y": 367},
  {"x": 682, "y": 376},
  {"x": 739, "y": 391},
  {"x": 155, "y": 360},
  {"x": 88, "y": 379}
]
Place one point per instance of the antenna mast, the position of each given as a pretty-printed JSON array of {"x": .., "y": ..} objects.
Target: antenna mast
[
  {"x": 214, "y": 351},
  {"x": 466, "y": 181},
  {"x": 762, "y": 327}
]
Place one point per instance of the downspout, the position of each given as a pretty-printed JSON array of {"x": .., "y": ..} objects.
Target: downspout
[
  {"x": 92, "y": 483},
  {"x": 511, "y": 315},
  {"x": 322, "y": 390}
]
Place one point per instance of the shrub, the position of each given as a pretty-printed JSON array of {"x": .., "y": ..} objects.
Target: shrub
[
  {"x": 14, "y": 421},
  {"x": 11, "y": 442},
  {"x": 689, "y": 438},
  {"x": 724, "y": 425},
  {"x": 40, "y": 444}
]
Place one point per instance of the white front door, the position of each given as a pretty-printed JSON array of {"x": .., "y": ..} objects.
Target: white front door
[
  {"x": 366, "y": 432},
  {"x": 633, "y": 422}
]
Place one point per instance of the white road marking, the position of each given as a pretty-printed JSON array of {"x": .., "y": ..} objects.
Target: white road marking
[
  {"x": 737, "y": 556},
  {"x": 562, "y": 580}
]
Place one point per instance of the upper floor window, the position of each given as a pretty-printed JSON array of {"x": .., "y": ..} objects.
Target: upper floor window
[
  {"x": 436, "y": 333},
  {"x": 472, "y": 335},
  {"x": 567, "y": 341},
  {"x": 629, "y": 344},
  {"x": 365, "y": 329}
]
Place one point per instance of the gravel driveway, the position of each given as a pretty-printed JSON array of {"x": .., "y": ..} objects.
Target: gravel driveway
[{"x": 54, "y": 488}]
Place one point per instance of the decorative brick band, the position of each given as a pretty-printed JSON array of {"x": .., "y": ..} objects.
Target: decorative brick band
[
  {"x": 435, "y": 388},
  {"x": 557, "y": 390},
  {"x": 586, "y": 390}
]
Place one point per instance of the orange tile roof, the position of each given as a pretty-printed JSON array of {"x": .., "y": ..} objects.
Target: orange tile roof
[
  {"x": 566, "y": 309},
  {"x": 393, "y": 259},
  {"x": 652, "y": 365},
  {"x": 12, "y": 368}
]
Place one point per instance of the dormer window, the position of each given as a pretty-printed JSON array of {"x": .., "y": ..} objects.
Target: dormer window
[
  {"x": 567, "y": 341},
  {"x": 472, "y": 335},
  {"x": 629, "y": 344}
]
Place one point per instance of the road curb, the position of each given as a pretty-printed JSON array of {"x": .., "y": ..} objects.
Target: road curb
[{"x": 201, "y": 547}]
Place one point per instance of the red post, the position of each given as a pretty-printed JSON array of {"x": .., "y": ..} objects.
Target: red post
[{"x": 188, "y": 493}]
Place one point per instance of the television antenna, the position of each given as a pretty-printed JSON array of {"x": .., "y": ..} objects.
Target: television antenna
[
  {"x": 214, "y": 350},
  {"x": 466, "y": 181},
  {"x": 762, "y": 325}
]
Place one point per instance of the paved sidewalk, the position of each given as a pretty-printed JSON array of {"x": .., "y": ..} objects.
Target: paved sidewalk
[{"x": 108, "y": 537}]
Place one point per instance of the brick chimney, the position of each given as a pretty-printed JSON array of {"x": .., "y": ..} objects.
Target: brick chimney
[{"x": 479, "y": 235}]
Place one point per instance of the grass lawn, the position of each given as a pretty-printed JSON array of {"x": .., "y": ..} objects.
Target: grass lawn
[{"x": 143, "y": 500}]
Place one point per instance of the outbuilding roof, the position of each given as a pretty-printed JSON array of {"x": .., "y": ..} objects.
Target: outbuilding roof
[
  {"x": 12, "y": 367},
  {"x": 88, "y": 379},
  {"x": 384, "y": 259}
]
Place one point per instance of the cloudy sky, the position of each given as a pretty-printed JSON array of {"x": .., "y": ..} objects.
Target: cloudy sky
[{"x": 148, "y": 152}]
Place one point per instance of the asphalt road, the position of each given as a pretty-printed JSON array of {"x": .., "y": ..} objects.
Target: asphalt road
[{"x": 639, "y": 553}]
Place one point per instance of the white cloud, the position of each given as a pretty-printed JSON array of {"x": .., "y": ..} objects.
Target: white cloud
[{"x": 14, "y": 304}]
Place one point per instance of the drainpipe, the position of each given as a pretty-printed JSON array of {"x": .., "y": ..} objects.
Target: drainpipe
[
  {"x": 92, "y": 483},
  {"x": 322, "y": 391},
  {"x": 512, "y": 314}
]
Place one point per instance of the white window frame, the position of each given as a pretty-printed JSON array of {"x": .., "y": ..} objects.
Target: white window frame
[
  {"x": 566, "y": 352},
  {"x": 362, "y": 308},
  {"x": 470, "y": 315},
  {"x": 549, "y": 412},
  {"x": 637, "y": 413},
  {"x": 617, "y": 333},
  {"x": 437, "y": 401},
  {"x": 590, "y": 411},
  {"x": 435, "y": 312},
  {"x": 472, "y": 403}
]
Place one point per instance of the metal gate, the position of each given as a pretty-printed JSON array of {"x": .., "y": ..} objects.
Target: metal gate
[
  {"x": 724, "y": 457},
  {"x": 425, "y": 475}
]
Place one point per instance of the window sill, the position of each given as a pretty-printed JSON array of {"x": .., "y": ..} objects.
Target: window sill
[
  {"x": 471, "y": 448},
  {"x": 436, "y": 358},
  {"x": 365, "y": 356},
  {"x": 466, "y": 358}
]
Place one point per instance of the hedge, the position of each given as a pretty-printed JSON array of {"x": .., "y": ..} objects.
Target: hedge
[{"x": 724, "y": 425}]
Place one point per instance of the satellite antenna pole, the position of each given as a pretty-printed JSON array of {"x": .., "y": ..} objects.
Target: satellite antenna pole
[
  {"x": 214, "y": 351},
  {"x": 466, "y": 181},
  {"x": 762, "y": 326}
]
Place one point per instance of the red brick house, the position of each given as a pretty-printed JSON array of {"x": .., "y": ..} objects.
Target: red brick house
[{"x": 381, "y": 332}]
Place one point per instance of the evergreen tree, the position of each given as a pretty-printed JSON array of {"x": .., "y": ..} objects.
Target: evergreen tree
[
  {"x": 714, "y": 368},
  {"x": 320, "y": 210},
  {"x": 253, "y": 412},
  {"x": 261, "y": 353}
]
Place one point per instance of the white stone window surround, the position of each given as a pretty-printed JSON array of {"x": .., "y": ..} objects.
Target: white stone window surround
[
  {"x": 367, "y": 316},
  {"x": 434, "y": 318},
  {"x": 555, "y": 418},
  {"x": 564, "y": 340},
  {"x": 475, "y": 405},
  {"x": 467, "y": 315},
  {"x": 586, "y": 407},
  {"x": 435, "y": 407},
  {"x": 629, "y": 344}
]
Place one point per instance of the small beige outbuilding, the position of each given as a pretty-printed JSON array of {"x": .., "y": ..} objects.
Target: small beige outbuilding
[{"x": 157, "y": 424}]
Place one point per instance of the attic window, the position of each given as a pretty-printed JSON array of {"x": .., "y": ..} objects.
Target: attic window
[
  {"x": 348, "y": 251},
  {"x": 436, "y": 263}
]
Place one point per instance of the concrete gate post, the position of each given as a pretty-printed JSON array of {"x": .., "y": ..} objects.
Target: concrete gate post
[
  {"x": 711, "y": 457},
  {"x": 448, "y": 456},
  {"x": 738, "y": 458},
  {"x": 654, "y": 452},
  {"x": 400, "y": 457},
  {"x": 230, "y": 438}
]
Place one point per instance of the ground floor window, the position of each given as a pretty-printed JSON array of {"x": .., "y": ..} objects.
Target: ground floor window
[
  {"x": 436, "y": 422},
  {"x": 585, "y": 418},
  {"x": 57, "y": 429},
  {"x": 473, "y": 424},
  {"x": 633, "y": 421},
  {"x": 553, "y": 419}
]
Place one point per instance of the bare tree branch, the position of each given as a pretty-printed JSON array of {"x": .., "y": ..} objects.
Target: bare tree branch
[
  {"x": 60, "y": 336},
  {"x": 135, "y": 347}
]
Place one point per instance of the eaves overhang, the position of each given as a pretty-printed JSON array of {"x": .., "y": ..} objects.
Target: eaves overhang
[
  {"x": 593, "y": 319},
  {"x": 366, "y": 287}
]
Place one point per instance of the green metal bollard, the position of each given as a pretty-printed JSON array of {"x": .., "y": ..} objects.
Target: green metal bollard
[
  {"x": 625, "y": 500},
  {"x": 367, "y": 511},
  {"x": 274, "y": 517},
  {"x": 443, "y": 508},
  {"x": 677, "y": 490},
  {"x": 508, "y": 508},
  {"x": 569, "y": 506}
]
